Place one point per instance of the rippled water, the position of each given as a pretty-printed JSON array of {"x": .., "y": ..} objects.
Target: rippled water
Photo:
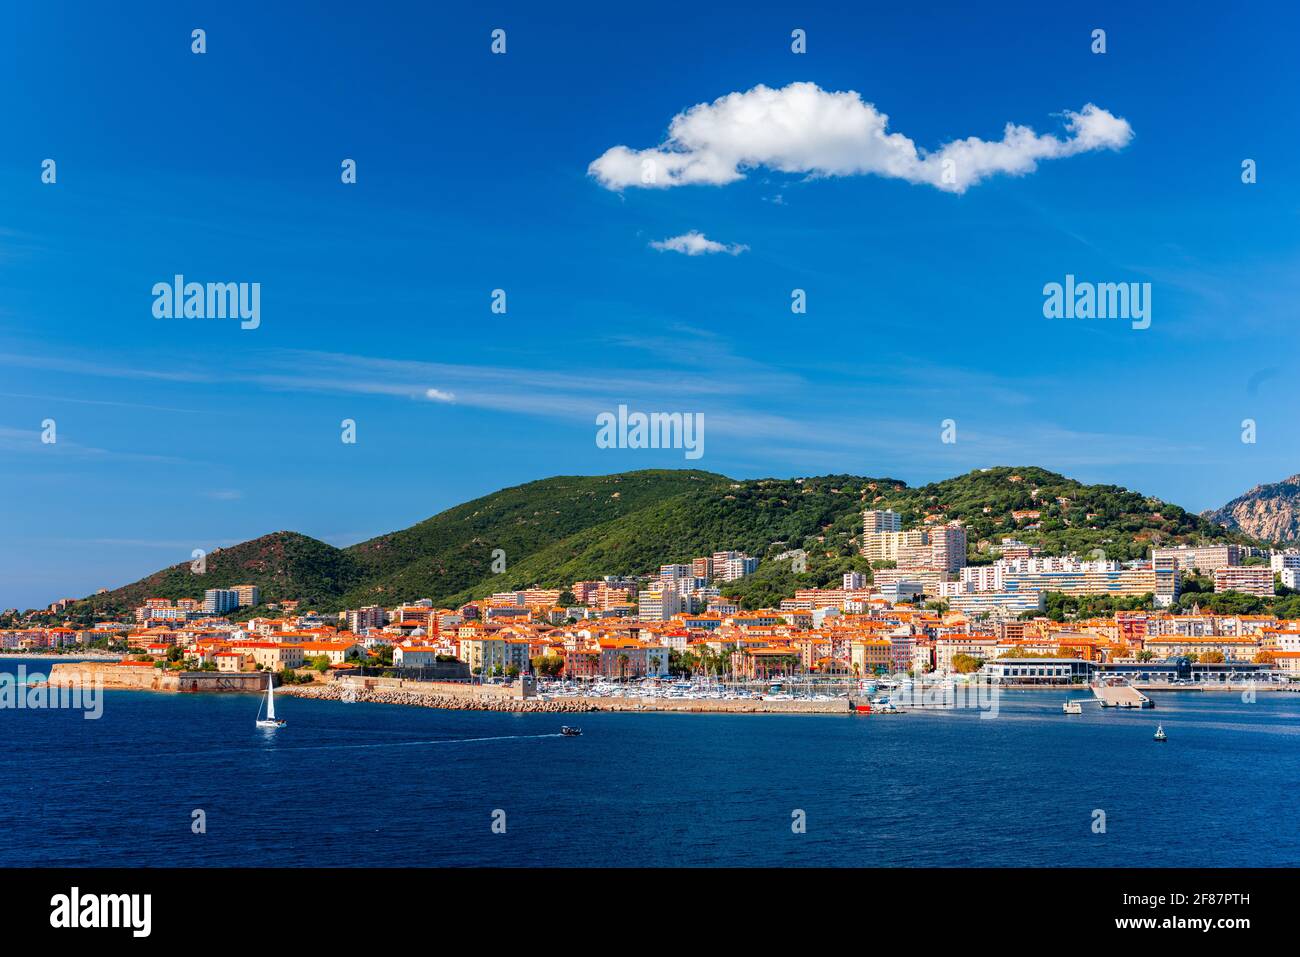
[{"x": 384, "y": 785}]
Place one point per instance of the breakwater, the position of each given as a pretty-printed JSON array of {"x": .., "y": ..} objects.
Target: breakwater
[
  {"x": 490, "y": 698},
  {"x": 433, "y": 698}
]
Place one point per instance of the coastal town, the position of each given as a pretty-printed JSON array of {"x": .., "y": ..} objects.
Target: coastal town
[{"x": 921, "y": 609}]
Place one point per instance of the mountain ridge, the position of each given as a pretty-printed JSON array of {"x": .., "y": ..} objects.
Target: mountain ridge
[{"x": 557, "y": 530}]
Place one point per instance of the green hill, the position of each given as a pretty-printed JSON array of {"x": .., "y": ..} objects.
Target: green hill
[
  {"x": 436, "y": 558},
  {"x": 451, "y": 552},
  {"x": 558, "y": 530},
  {"x": 282, "y": 564}
]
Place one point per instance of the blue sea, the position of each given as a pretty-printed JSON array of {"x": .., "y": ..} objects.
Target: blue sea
[{"x": 365, "y": 784}]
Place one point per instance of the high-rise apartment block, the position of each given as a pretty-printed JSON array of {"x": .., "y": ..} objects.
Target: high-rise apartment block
[
  {"x": 218, "y": 601},
  {"x": 249, "y": 595}
]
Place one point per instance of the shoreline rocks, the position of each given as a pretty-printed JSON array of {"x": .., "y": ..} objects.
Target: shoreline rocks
[
  {"x": 420, "y": 699},
  {"x": 432, "y": 699}
]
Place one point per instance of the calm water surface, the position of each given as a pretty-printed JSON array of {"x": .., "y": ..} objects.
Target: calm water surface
[{"x": 361, "y": 784}]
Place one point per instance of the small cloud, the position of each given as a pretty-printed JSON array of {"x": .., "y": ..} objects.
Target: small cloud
[
  {"x": 803, "y": 129},
  {"x": 226, "y": 494},
  {"x": 695, "y": 243},
  {"x": 437, "y": 395}
]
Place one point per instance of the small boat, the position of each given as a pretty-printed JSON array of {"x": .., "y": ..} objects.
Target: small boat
[
  {"x": 1072, "y": 707},
  {"x": 570, "y": 732},
  {"x": 1160, "y": 734},
  {"x": 270, "y": 721}
]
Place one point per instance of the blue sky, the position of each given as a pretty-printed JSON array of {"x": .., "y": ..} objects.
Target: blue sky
[{"x": 923, "y": 304}]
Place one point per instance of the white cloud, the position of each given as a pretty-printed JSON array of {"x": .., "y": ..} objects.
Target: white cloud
[
  {"x": 802, "y": 128},
  {"x": 695, "y": 243},
  {"x": 437, "y": 395}
]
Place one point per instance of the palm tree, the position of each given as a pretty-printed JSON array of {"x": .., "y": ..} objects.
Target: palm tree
[{"x": 622, "y": 666}]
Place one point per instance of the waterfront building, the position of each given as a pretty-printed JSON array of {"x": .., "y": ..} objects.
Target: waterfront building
[
  {"x": 483, "y": 654},
  {"x": 1039, "y": 671}
]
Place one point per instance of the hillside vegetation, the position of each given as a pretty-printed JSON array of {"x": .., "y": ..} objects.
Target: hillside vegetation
[{"x": 558, "y": 530}]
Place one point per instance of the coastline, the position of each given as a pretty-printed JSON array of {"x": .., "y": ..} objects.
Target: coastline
[
  {"x": 440, "y": 698},
  {"x": 473, "y": 697},
  {"x": 107, "y": 656}
]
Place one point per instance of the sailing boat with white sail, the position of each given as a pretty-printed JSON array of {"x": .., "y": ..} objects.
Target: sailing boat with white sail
[{"x": 270, "y": 721}]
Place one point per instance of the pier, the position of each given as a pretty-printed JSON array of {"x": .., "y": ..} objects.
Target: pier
[{"x": 1121, "y": 696}]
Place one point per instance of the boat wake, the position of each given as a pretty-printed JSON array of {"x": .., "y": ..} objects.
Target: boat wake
[{"x": 366, "y": 746}]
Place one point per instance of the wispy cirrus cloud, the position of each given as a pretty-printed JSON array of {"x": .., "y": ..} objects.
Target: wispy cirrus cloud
[
  {"x": 695, "y": 243},
  {"x": 28, "y": 441},
  {"x": 801, "y": 128},
  {"x": 770, "y": 411}
]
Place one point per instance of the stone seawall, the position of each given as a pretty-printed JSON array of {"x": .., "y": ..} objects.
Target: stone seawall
[
  {"x": 144, "y": 678},
  {"x": 115, "y": 676},
  {"x": 423, "y": 694},
  {"x": 447, "y": 689},
  {"x": 485, "y": 698}
]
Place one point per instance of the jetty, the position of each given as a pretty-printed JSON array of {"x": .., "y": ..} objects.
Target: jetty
[{"x": 1120, "y": 695}]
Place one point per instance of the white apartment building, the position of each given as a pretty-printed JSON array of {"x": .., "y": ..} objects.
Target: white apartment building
[
  {"x": 658, "y": 604},
  {"x": 885, "y": 546},
  {"x": 997, "y": 604},
  {"x": 217, "y": 601},
  {"x": 881, "y": 520},
  {"x": 901, "y": 590},
  {"x": 728, "y": 566},
  {"x": 1204, "y": 558},
  {"x": 1281, "y": 561},
  {"x": 1248, "y": 579}
]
